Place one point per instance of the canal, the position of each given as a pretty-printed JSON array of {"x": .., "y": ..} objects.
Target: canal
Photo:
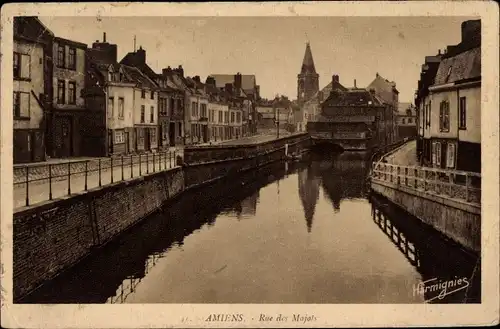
[{"x": 297, "y": 232}]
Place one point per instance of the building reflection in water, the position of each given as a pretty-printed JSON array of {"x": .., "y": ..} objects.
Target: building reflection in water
[
  {"x": 308, "y": 193},
  {"x": 449, "y": 273},
  {"x": 341, "y": 176}
]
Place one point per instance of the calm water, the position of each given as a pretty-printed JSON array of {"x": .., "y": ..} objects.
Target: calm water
[{"x": 289, "y": 233}]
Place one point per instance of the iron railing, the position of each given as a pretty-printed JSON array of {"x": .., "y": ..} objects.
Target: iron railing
[
  {"x": 42, "y": 182},
  {"x": 455, "y": 184}
]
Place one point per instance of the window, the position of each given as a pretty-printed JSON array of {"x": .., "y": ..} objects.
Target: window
[
  {"x": 437, "y": 154},
  {"x": 450, "y": 161},
  {"x": 121, "y": 107},
  {"x": 238, "y": 117},
  {"x": 61, "y": 92},
  {"x": 220, "y": 117},
  {"x": 444, "y": 116},
  {"x": 193, "y": 109},
  {"x": 143, "y": 93},
  {"x": 172, "y": 105},
  {"x": 152, "y": 114},
  {"x": 143, "y": 113},
  {"x": 72, "y": 58},
  {"x": 60, "y": 55},
  {"x": 428, "y": 115},
  {"x": 410, "y": 120},
  {"x": 17, "y": 65},
  {"x": 119, "y": 136},
  {"x": 22, "y": 66},
  {"x": 72, "y": 92},
  {"x": 152, "y": 94},
  {"x": 165, "y": 130},
  {"x": 152, "y": 135},
  {"x": 111, "y": 107},
  {"x": 232, "y": 117},
  {"x": 21, "y": 105},
  {"x": 203, "y": 110},
  {"x": 403, "y": 120},
  {"x": 462, "y": 119}
]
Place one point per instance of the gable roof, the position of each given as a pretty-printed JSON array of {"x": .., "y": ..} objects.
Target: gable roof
[
  {"x": 134, "y": 74},
  {"x": 351, "y": 97},
  {"x": 464, "y": 66},
  {"x": 326, "y": 91},
  {"x": 30, "y": 28}
]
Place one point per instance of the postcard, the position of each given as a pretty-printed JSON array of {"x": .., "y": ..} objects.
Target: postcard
[{"x": 265, "y": 165}]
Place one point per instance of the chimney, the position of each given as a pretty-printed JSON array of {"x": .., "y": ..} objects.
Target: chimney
[
  {"x": 335, "y": 79},
  {"x": 166, "y": 72},
  {"x": 377, "y": 75},
  {"x": 372, "y": 91},
  {"x": 229, "y": 88},
  {"x": 439, "y": 52},
  {"x": 180, "y": 70},
  {"x": 197, "y": 78},
  {"x": 210, "y": 81},
  {"x": 104, "y": 37},
  {"x": 141, "y": 56},
  {"x": 355, "y": 83},
  {"x": 237, "y": 80}
]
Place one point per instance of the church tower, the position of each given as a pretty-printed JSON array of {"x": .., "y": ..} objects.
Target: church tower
[{"x": 308, "y": 79}]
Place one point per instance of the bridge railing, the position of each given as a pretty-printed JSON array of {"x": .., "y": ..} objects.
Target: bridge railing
[{"x": 461, "y": 185}]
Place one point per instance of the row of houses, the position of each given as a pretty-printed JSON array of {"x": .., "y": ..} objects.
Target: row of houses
[
  {"x": 448, "y": 101},
  {"x": 72, "y": 100}
]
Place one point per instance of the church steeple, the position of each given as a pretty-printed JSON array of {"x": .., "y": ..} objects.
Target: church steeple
[
  {"x": 308, "y": 79},
  {"x": 308, "y": 62}
]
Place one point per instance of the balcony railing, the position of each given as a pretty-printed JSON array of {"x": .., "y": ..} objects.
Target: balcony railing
[{"x": 460, "y": 185}]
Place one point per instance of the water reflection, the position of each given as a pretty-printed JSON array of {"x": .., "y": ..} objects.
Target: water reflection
[
  {"x": 244, "y": 241},
  {"x": 449, "y": 273}
]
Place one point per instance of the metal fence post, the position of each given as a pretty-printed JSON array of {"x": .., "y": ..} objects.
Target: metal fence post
[
  {"x": 111, "y": 169},
  {"x": 170, "y": 159},
  {"x": 159, "y": 161},
  {"x": 131, "y": 166},
  {"x": 69, "y": 178},
  {"x": 123, "y": 175},
  {"x": 147, "y": 162},
  {"x": 165, "y": 160},
  {"x": 100, "y": 183},
  {"x": 86, "y": 174},
  {"x": 416, "y": 178},
  {"x": 175, "y": 160},
  {"x": 50, "y": 182},
  {"x": 140, "y": 165},
  {"x": 154, "y": 164},
  {"x": 27, "y": 188},
  {"x": 467, "y": 184}
]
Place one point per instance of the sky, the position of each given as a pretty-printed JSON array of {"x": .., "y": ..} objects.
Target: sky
[{"x": 273, "y": 48}]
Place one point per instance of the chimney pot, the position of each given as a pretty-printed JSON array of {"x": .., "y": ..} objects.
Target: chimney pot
[
  {"x": 104, "y": 37},
  {"x": 354, "y": 83}
]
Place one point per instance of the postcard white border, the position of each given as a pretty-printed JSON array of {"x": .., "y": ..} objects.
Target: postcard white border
[{"x": 358, "y": 315}]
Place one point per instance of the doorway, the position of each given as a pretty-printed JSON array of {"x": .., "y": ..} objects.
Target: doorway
[{"x": 63, "y": 136}]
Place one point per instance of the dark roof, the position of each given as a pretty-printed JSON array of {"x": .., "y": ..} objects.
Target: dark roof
[
  {"x": 137, "y": 76},
  {"x": 71, "y": 42},
  {"x": 132, "y": 59},
  {"x": 352, "y": 97},
  {"x": 308, "y": 62},
  {"x": 464, "y": 66},
  {"x": 30, "y": 28},
  {"x": 326, "y": 91},
  {"x": 247, "y": 80}
]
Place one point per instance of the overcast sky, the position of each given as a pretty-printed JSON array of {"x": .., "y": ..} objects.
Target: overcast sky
[{"x": 272, "y": 48}]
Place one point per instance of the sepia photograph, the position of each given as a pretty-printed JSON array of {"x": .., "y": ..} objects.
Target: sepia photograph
[{"x": 276, "y": 160}]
